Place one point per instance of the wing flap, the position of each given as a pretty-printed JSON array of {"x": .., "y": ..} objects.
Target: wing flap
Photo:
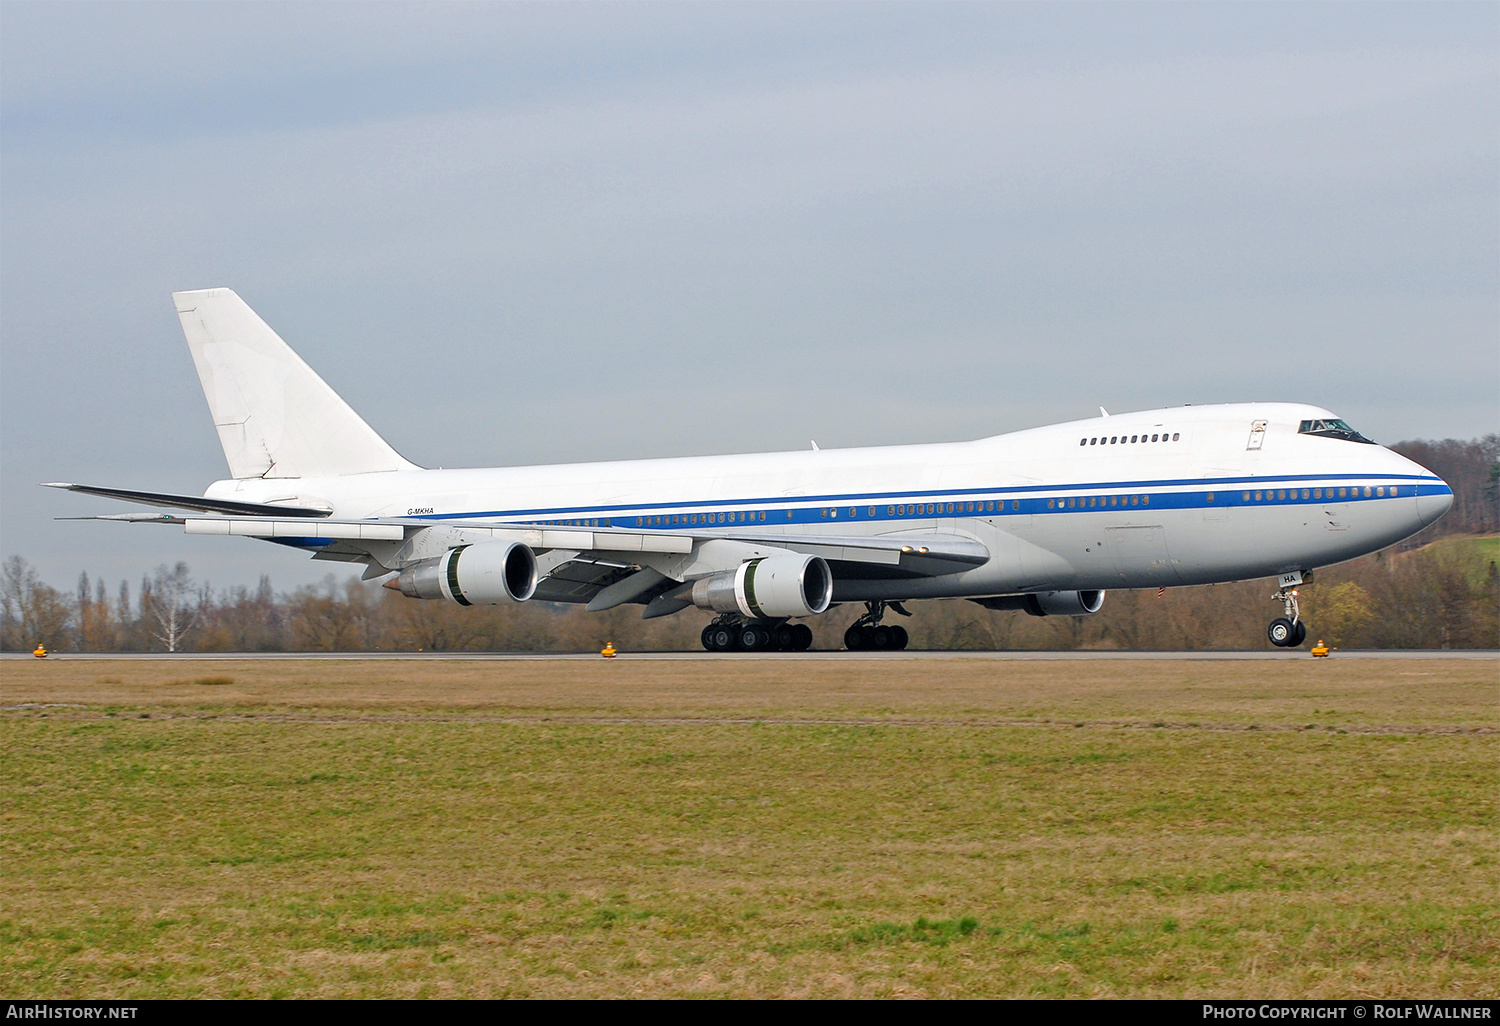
[{"x": 354, "y": 530}]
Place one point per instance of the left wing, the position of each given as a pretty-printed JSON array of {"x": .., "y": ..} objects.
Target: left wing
[{"x": 599, "y": 566}]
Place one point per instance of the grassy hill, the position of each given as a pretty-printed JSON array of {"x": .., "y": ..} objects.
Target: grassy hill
[{"x": 1478, "y": 553}]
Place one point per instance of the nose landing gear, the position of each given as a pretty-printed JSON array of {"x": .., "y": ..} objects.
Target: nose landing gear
[
  {"x": 1287, "y": 631},
  {"x": 869, "y": 634}
]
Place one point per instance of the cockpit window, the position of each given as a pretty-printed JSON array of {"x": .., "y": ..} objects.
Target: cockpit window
[{"x": 1332, "y": 429}]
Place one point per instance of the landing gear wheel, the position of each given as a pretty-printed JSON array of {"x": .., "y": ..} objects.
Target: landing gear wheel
[
  {"x": 1299, "y": 637},
  {"x": 723, "y": 638},
  {"x": 755, "y": 639},
  {"x": 854, "y": 638},
  {"x": 784, "y": 637},
  {"x": 708, "y": 638},
  {"x": 880, "y": 638},
  {"x": 899, "y": 637},
  {"x": 802, "y": 637},
  {"x": 1281, "y": 632}
]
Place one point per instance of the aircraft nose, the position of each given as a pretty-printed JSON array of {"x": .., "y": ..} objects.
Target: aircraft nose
[{"x": 1433, "y": 500}]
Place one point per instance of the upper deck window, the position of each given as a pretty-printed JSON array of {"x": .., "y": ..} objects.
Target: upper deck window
[{"x": 1332, "y": 429}]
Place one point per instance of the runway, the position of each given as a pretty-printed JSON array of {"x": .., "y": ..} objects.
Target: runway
[{"x": 1477, "y": 655}]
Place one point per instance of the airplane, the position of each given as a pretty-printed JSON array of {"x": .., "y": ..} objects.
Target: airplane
[{"x": 1043, "y": 521}]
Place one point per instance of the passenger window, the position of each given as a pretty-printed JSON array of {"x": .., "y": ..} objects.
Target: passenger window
[
  {"x": 1093, "y": 441},
  {"x": 1257, "y": 496},
  {"x": 1317, "y": 493},
  {"x": 1304, "y": 493},
  {"x": 1176, "y": 435},
  {"x": 1245, "y": 497},
  {"x": 1145, "y": 500},
  {"x": 1135, "y": 500},
  {"x": 1133, "y": 438},
  {"x": 1367, "y": 491},
  {"x": 1210, "y": 496},
  {"x": 1049, "y": 503},
  {"x": 1380, "y": 491},
  {"x": 1153, "y": 438}
]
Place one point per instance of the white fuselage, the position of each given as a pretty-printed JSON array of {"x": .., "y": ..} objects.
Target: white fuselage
[{"x": 1071, "y": 506}]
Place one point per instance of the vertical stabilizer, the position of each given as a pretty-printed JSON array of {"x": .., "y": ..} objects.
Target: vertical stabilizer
[{"x": 275, "y": 416}]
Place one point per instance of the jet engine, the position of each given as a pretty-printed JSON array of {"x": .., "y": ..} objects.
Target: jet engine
[
  {"x": 1048, "y": 603},
  {"x": 487, "y": 574},
  {"x": 769, "y": 587}
]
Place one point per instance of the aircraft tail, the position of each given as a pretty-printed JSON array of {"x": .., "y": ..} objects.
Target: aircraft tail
[{"x": 274, "y": 415}]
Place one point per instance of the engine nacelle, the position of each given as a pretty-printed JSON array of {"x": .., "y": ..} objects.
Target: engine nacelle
[
  {"x": 769, "y": 587},
  {"x": 487, "y": 574},
  {"x": 1049, "y": 603}
]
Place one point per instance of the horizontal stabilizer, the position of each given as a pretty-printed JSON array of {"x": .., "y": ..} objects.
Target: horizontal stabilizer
[{"x": 193, "y": 502}]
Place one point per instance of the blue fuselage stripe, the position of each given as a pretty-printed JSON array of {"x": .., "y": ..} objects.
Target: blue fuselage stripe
[{"x": 1025, "y": 500}]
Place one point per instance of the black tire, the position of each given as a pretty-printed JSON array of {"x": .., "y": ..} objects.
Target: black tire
[
  {"x": 1281, "y": 632},
  {"x": 707, "y": 637},
  {"x": 899, "y": 638},
  {"x": 880, "y": 638},
  {"x": 854, "y": 639},
  {"x": 802, "y": 637},
  {"x": 1300, "y": 636},
  {"x": 785, "y": 637},
  {"x": 724, "y": 639},
  {"x": 754, "y": 639}
]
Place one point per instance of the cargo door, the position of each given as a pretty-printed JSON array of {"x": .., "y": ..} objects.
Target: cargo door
[{"x": 1140, "y": 555}]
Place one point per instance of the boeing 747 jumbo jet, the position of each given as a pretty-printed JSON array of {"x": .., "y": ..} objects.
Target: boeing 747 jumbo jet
[{"x": 1043, "y": 520}]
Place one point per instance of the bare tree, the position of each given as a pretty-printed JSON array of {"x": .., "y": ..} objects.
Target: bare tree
[
  {"x": 169, "y": 610},
  {"x": 31, "y": 612}
]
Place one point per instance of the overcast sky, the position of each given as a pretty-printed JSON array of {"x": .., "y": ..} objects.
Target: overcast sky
[{"x": 542, "y": 233}]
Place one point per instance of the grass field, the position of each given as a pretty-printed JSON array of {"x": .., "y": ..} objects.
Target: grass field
[{"x": 892, "y": 827}]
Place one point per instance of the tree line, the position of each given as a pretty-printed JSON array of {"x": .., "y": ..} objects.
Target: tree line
[{"x": 1438, "y": 590}]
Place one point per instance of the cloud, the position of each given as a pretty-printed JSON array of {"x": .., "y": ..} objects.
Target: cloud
[{"x": 529, "y": 234}]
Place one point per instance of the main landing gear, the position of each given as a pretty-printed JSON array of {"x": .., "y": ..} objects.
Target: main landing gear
[
  {"x": 1287, "y": 631},
  {"x": 869, "y": 634},
  {"x": 730, "y": 633}
]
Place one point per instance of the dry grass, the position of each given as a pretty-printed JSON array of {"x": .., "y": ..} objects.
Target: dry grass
[{"x": 750, "y": 828}]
